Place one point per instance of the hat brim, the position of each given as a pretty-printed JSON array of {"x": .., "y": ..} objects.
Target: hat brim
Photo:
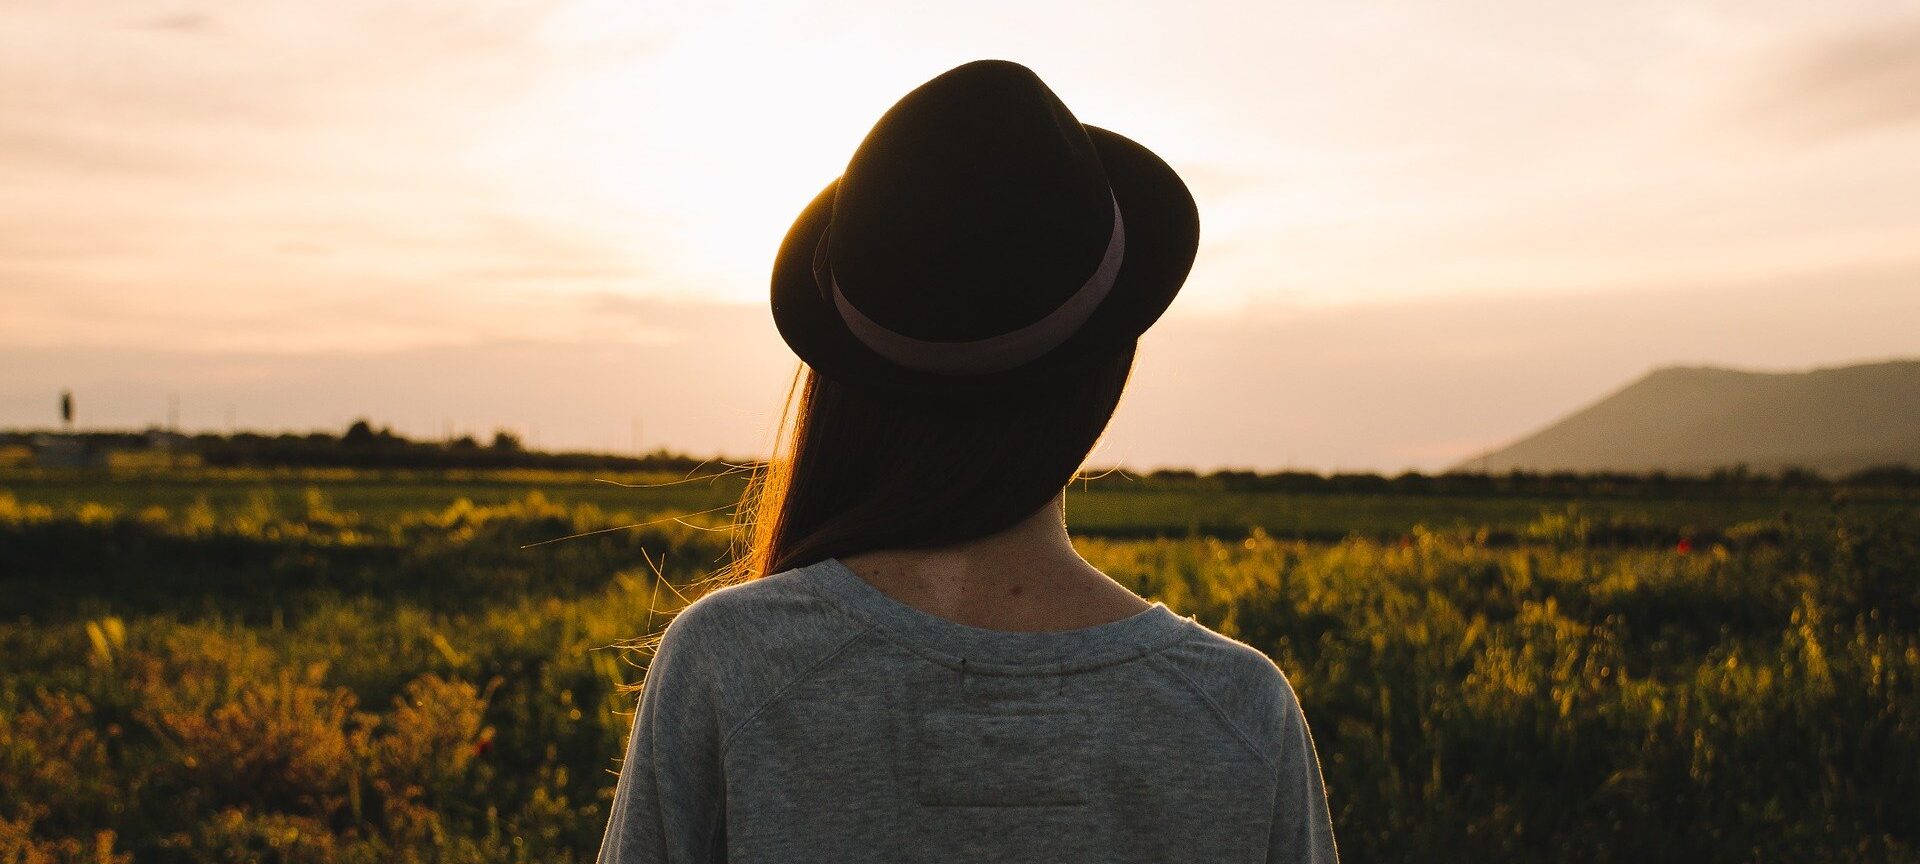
[{"x": 1163, "y": 235}]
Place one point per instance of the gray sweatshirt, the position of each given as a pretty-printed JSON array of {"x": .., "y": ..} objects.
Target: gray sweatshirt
[{"x": 808, "y": 717}]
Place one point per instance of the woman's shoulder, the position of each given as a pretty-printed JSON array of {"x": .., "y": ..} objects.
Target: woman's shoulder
[
  {"x": 753, "y": 637},
  {"x": 1243, "y": 683},
  {"x": 776, "y": 608}
]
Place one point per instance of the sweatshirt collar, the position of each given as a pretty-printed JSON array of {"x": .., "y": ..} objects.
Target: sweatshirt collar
[{"x": 999, "y": 651}]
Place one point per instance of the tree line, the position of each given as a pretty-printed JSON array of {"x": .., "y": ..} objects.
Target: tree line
[{"x": 365, "y": 445}]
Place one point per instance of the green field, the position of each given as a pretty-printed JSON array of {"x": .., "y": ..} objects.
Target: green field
[
  {"x": 1115, "y": 505},
  {"x": 280, "y": 666}
]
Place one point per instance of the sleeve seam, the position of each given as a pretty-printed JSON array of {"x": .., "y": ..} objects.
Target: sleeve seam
[
  {"x": 1193, "y": 685},
  {"x": 727, "y": 741}
]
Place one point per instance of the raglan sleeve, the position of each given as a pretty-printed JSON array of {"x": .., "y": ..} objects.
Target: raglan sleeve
[
  {"x": 1302, "y": 825},
  {"x": 668, "y": 805}
]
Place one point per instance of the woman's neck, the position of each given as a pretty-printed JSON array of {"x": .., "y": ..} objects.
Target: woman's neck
[{"x": 1027, "y": 577}]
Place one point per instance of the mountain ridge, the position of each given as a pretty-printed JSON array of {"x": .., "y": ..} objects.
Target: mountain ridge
[{"x": 1693, "y": 418}]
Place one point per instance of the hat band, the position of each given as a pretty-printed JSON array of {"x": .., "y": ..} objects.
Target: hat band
[{"x": 994, "y": 353}]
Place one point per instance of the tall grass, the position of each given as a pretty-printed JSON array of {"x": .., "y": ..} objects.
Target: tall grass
[{"x": 286, "y": 680}]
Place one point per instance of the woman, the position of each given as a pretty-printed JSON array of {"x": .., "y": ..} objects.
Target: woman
[{"x": 925, "y": 670}]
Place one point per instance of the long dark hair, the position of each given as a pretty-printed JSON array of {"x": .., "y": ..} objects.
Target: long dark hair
[{"x": 854, "y": 471}]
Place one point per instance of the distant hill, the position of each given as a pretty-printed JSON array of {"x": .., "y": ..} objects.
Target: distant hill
[{"x": 1696, "y": 418}]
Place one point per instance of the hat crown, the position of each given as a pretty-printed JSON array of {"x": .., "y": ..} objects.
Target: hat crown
[{"x": 976, "y": 205}]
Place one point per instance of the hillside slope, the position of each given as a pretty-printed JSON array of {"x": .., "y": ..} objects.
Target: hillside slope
[{"x": 1690, "y": 419}]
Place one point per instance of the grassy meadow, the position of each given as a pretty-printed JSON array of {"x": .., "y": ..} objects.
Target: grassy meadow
[{"x": 214, "y": 666}]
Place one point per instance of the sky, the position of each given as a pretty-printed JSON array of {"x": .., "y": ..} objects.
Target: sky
[{"x": 1427, "y": 228}]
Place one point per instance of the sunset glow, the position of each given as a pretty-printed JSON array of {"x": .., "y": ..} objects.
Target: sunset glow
[{"x": 199, "y": 202}]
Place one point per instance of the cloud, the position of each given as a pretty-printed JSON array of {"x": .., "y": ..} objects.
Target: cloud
[
  {"x": 295, "y": 177},
  {"x": 1845, "y": 82},
  {"x": 178, "y": 22}
]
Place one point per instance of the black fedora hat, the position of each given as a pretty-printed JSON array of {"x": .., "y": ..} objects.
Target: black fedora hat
[{"x": 982, "y": 241}]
